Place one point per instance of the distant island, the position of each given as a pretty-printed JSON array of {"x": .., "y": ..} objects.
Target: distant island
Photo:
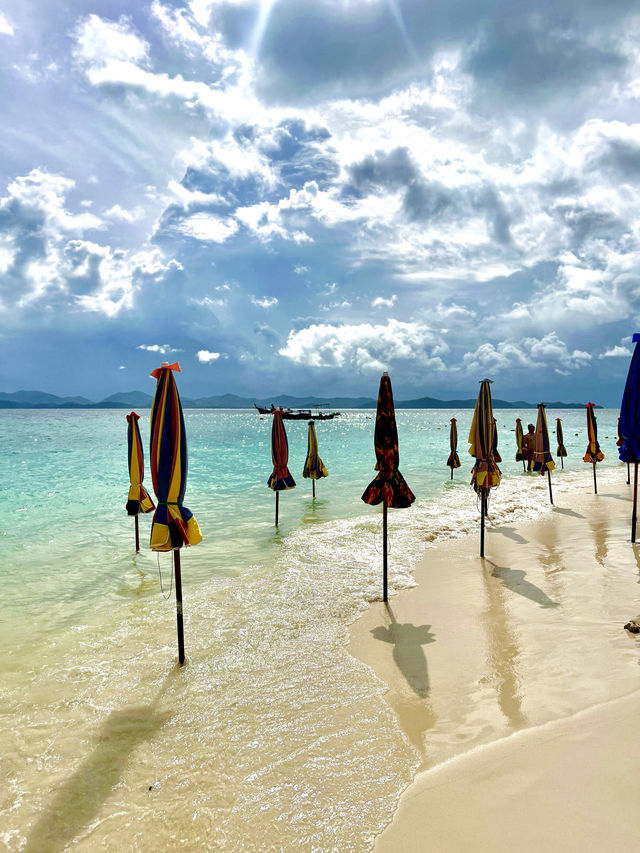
[{"x": 141, "y": 400}]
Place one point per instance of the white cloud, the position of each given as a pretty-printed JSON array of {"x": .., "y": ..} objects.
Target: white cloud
[
  {"x": 615, "y": 352},
  {"x": 162, "y": 349},
  {"x": 208, "y": 227},
  {"x": 364, "y": 346},
  {"x": 548, "y": 352},
  {"x": 5, "y": 27},
  {"x": 100, "y": 42},
  {"x": 264, "y": 301},
  {"x": 300, "y": 269},
  {"x": 207, "y": 357},
  {"x": 121, "y": 215},
  {"x": 382, "y": 302}
]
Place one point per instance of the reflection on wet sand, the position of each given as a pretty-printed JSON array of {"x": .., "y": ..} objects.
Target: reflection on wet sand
[
  {"x": 503, "y": 650},
  {"x": 600, "y": 530}
]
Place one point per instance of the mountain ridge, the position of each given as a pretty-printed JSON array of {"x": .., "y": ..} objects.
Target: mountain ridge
[{"x": 140, "y": 399}]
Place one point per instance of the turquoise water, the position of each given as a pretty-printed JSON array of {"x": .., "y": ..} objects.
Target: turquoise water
[{"x": 90, "y": 637}]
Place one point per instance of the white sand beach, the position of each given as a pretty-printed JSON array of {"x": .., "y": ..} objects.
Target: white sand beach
[{"x": 515, "y": 680}]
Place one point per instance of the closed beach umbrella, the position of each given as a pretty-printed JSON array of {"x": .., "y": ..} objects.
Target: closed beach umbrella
[
  {"x": 629, "y": 426},
  {"x": 542, "y": 458},
  {"x": 485, "y": 474},
  {"x": 280, "y": 478},
  {"x": 454, "y": 460},
  {"x": 593, "y": 454},
  {"x": 173, "y": 524},
  {"x": 519, "y": 437},
  {"x": 389, "y": 487},
  {"x": 138, "y": 500},
  {"x": 562, "y": 450},
  {"x": 314, "y": 468}
]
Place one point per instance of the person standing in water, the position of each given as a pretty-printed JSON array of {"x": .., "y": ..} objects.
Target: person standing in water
[{"x": 528, "y": 445}]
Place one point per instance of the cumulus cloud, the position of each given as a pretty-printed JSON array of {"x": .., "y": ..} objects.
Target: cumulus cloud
[
  {"x": 208, "y": 227},
  {"x": 384, "y": 302},
  {"x": 548, "y": 352},
  {"x": 616, "y": 352},
  {"x": 264, "y": 301},
  {"x": 363, "y": 346},
  {"x": 6, "y": 28},
  {"x": 207, "y": 357},
  {"x": 162, "y": 349}
]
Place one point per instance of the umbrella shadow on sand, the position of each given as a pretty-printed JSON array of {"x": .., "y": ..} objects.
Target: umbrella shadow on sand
[
  {"x": 565, "y": 511},
  {"x": 408, "y": 654},
  {"x": 515, "y": 580},
  {"x": 79, "y": 799}
]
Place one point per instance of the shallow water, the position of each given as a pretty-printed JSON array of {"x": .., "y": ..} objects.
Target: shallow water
[{"x": 273, "y": 736}]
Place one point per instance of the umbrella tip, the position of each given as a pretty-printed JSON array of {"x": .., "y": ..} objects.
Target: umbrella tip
[
  {"x": 385, "y": 372},
  {"x": 486, "y": 380}
]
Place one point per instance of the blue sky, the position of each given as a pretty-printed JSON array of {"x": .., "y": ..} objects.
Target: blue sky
[{"x": 291, "y": 196}]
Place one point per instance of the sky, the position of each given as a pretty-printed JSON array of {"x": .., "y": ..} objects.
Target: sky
[{"x": 289, "y": 196}]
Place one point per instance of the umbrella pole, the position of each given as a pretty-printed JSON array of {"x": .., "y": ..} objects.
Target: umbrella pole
[
  {"x": 562, "y": 463},
  {"x": 628, "y": 474},
  {"x": 313, "y": 486},
  {"x": 277, "y": 506},
  {"x": 595, "y": 481},
  {"x": 137, "y": 537},
  {"x": 524, "y": 467},
  {"x": 452, "y": 472},
  {"x": 550, "y": 492},
  {"x": 634, "y": 517},
  {"x": 384, "y": 552},
  {"x": 482, "y": 514},
  {"x": 176, "y": 564}
]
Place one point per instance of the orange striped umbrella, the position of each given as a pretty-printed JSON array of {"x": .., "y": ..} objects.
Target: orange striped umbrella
[
  {"x": 519, "y": 438},
  {"x": 485, "y": 474},
  {"x": 593, "y": 454},
  {"x": 562, "y": 450},
  {"x": 138, "y": 499},
  {"x": 280, "y": 478}
]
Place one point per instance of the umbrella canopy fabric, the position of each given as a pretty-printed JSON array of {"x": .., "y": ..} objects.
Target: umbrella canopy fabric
[
  {"x": 519, "y": 437},
  {"x": 562, "y": 450},
  {"x": 389, "y": 487},
  {"x": 543, "y": 460},
  {"x": 485, "y": 474},
  {"x": 173, "y": 524},
  {"x": 314, "y": 468},
  {"x": 629, "y": 423},
  {"x": 620, "y": 440},
  {"x": 454, "y": 460},
  {"x": 280, "y": 478},
  {"x": 138, "y": 500},
  {"x": 593, "y": 454},
  {"x": 496, "y": 455}
]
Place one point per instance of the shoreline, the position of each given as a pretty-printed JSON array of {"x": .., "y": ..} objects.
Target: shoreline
[{"x": 482, "y": 654}]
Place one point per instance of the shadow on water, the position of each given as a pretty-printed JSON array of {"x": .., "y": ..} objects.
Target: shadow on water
[
  {"x": 626, "y": 498},
  {"x": 564, "y": 511},
  {"x": 81, "y": 797},
  {"x": 600, "y": 531},
  {"x": 510, "y": 533},
  {"x": 408, "y": 654},
  {"x": 515, "y": 580}
]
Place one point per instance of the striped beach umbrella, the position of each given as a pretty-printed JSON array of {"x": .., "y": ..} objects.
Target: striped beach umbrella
[
  {"x": 562, "y": 450},
  {"x": 314, "y": 468},
  {"x": 454, "y": 460},
  {"x": 496, "y": 455},
  {"x": 280, "y": 478},
  {"x": 629, "y": 425},
  {"x": 519, "y": 437},
  {"x": 173, "y": 524},
  {"x": 485, "y": 474},
  {"x": 389, "y": 487},
  {"x": 593, "y": 454},
  {"x": 138, "y": 500},
  {"x": 542, "y": 458}
]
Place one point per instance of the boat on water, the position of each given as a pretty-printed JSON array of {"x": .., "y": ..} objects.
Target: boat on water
[{"x": 297, "y": 414}]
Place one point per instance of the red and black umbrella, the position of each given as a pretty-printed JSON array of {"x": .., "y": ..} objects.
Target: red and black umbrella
[
  {"x": 389, "y": 487},
  {"x": 454, "y": 460}
]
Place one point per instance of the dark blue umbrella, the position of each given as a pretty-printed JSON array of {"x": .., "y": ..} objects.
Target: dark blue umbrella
[{"x": 629, "y": 427}]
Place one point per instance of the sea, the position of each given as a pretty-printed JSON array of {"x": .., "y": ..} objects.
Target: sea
[{"x": 272, "y": 736}]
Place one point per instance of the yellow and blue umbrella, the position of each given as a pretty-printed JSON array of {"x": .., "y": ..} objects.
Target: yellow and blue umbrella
[
  {"x": 593, "y": 454},
  {"x": 562, "y": 450},
  {"x": 543, "y": 460},
  {"x": 519, "y": 448},
  {"x": 314, "y": 468},
  {"x": 280, "y": 478},
  {"x": 485, "y": 474},
  {"x": 173, "y": 524},
  {"x": 389, "y": 487},
  {"x": 138, "y": 500},
  {"x": 454, "y": 460},
  {"x": 629, "y": 425}
]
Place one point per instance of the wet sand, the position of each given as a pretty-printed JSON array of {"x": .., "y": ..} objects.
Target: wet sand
[{"x": 516, "y": 683}]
